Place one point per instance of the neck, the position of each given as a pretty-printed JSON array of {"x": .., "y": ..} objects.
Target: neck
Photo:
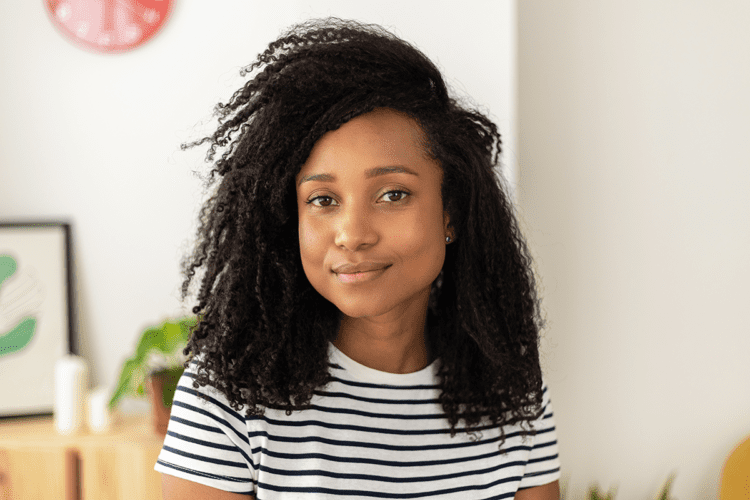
[{"x": 400, "y": 347}]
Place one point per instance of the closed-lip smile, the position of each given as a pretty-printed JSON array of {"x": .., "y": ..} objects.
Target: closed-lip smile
[{"x": 362, "y": 267}]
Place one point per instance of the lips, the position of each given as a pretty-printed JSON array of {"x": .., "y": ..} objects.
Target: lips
[{"x": 362, "y": 267}]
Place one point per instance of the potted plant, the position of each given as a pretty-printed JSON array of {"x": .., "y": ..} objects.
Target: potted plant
[{"x": 156, "y": 367}]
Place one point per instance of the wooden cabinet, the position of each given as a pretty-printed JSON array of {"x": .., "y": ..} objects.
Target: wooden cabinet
[{"x": 37, "y": 463}]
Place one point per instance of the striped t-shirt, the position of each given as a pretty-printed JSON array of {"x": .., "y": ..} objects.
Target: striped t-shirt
[{"x": 367, "y": 434}]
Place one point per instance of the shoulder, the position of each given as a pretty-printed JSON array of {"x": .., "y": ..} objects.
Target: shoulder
[{"x": 206, "y": 442}]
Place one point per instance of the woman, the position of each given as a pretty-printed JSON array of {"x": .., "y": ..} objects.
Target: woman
[{"x": 369, "y": 323}]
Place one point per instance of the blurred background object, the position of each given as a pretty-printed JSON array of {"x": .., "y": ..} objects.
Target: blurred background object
[
  {"x": 36, "y": 316},
  {"x": 108, "y": 25},
  {"x": 155, "y": 368},
  {"x": 735, "y": 476}
]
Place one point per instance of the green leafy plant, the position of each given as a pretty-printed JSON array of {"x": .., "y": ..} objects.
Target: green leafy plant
[
  {"x": 159, "y": 352},
  {"x": 595, "y": 494}
]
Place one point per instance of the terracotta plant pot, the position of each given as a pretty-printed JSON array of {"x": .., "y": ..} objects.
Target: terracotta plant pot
[{"x": 161, "y": 388}]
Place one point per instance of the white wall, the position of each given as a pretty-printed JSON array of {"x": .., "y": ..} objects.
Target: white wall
[
  {"x": 635, "y": 189},
  {"x": 95, "y": 138}
]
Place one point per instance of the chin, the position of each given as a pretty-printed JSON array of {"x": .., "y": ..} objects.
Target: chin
[
  {"x": 360, "y": 310},
  {"x": 368, "y": 305}
]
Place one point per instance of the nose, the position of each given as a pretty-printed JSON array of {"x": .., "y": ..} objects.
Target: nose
[{"x": 355, "y": 229}]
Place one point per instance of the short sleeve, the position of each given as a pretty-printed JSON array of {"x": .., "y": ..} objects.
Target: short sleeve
[
  {"x": 207, "y": 441},
  {"x": 543, "y": 465}
]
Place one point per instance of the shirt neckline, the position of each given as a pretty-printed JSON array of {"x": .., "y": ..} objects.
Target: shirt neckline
[{"x": 425, "y": 376}]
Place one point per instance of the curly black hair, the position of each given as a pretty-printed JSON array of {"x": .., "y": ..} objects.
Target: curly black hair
[{"x": 264, "y": 331}]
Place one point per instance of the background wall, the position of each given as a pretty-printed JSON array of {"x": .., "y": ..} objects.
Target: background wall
[
  {"x": 634, "y": 187},
  {"x": 95, "y": 139}
]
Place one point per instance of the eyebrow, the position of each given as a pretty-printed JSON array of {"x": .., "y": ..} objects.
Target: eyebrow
[{"x": 369, "y": 174}]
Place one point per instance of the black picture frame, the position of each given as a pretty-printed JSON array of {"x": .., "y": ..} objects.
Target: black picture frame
[{"x": 36, "y": 313}]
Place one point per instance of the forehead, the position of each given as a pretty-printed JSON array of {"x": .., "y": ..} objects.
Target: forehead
[{"x": 382, "y": 137}]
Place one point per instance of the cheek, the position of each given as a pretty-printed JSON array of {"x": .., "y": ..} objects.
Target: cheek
[
  {"x": 420, "y": 241},
  {"x": 311, "y": 242}
]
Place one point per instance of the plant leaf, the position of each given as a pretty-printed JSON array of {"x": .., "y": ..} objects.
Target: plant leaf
[
  {"x": 664, "y": 494},
  {"x": 129, "y": 378},
  {"x": 594, "y": 493},
  {"x": 173, "y": 337},
  {"x": 150, "y": 339}
]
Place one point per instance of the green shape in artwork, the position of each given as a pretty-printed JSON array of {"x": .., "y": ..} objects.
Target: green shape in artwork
[
  {"x": 7, "y": 267},
  {"x": 20, "y": 335}
]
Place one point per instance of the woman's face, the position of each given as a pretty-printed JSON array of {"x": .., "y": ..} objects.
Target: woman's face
[{"x": 371, "y": 222}]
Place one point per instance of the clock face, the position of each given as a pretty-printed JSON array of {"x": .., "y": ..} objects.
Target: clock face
[{"x": 109, "y": 25}]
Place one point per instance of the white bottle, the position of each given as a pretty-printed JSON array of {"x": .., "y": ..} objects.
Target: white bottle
[
  {"x": 71, "y": 381},
  {"x": 98, "y": 410}
]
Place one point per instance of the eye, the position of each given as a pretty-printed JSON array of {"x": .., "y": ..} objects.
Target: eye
[
  {"x": 395, "y": 196},
  {"x": 321, "y": 201}
]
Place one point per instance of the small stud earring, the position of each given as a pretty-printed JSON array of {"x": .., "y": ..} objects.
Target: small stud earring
[{"x": 447, "y": 239}]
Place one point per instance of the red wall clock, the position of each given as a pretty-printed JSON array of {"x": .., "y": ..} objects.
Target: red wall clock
[{"x": 109, "y": 25}]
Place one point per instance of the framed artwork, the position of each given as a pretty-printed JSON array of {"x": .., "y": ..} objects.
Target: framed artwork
[{"x": 36, "y": 320}]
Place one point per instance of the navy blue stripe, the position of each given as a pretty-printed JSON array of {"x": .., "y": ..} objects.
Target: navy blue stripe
[
  {"x": 547, "y": 430},
  {"x": 348, "y": 411},
  {"x": 389, "y": 479},
  {"x": 209, "y": 444},
  {"x": 346, "y": 395},
  {"x": 384, "y": 386},
  {"x": 544, "y": 445},
  {"x": 201, "y": 458},
  {"x": 207, "y": 474},
  {"x": 543, "y": 459},
  {"x": 542, "y": 473},
  {"x": 196, "y": 425},
  {"x": 378, "y": 494},
  {"x": 391, "y": 463},
  {"x": 539, "y": 432}
]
